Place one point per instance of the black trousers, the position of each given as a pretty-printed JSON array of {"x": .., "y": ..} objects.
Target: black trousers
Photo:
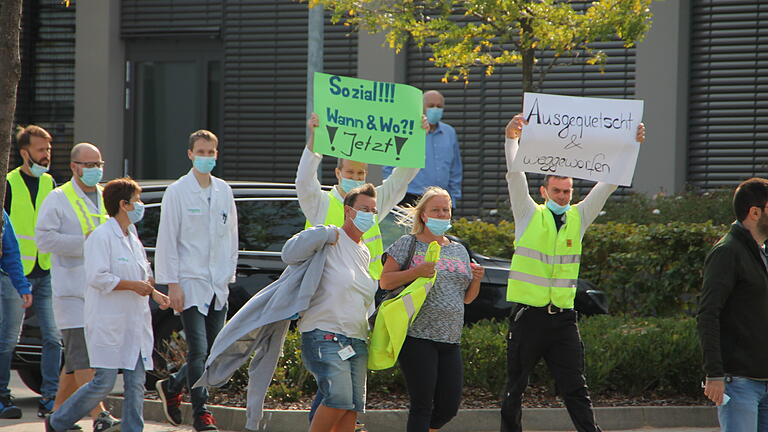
[
  {"x": 535, "y": 334},
  {"x": 434, "y": 375}
]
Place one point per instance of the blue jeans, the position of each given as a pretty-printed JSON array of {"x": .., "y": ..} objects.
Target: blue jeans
[
  {"x": 200, "y": 331},
  {"x": 11, "y": 318},
  {"x": 96, "y": 390},
  {"x": 747, "y": 411},
  {"x": 340, "y": 383}
]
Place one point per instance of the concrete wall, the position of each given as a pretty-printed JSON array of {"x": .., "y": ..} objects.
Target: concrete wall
[
  {"x": 99, "y": 81},
  {"x": 662, "y": 81},
  {"x": 377, "y": 61}
]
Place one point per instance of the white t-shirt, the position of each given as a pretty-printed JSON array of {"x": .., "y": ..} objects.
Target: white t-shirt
[{"x": 345, "y": 292}]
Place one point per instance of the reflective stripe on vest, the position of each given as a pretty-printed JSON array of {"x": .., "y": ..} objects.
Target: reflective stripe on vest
[
  {"x": 371, "y": 238},
  {"x": 24, "y": 217},
  {"x": 81, "y": 208},
  {"x": 545, "y": 266},
  {"x": 396, "y": 315}
]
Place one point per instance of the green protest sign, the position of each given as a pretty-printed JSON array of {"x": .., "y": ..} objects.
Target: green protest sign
[{"x": 369, "y": 121}]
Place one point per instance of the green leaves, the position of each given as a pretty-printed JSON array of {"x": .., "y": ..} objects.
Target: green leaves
[{"x": 466, "y": 34}]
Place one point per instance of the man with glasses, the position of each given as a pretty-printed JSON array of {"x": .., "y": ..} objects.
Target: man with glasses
[
  {"x": 65, "y": 219},
  {"x": 733, "y": 315}
]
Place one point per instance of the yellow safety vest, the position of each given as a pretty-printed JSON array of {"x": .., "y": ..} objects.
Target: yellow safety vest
[
  {"x": 371, "y": 238},
  {"x": 545, "y": 266},
  {"x": 24, "y": 217},
  {"x": 396, "y": 315},
  {"x": 81, "y": 208}
]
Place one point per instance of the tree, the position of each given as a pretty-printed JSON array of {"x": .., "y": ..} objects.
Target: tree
[
  {"x": 10, "y": 73},
  {"x": 466, "y": 34}
]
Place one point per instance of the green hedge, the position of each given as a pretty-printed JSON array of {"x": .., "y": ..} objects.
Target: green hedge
[
  {"x": 646, "y": 270},
  {"x": 624, "y": 355}
]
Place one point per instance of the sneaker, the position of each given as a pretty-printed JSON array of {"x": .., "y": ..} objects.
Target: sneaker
[
  {"x": 106, "y": 423},
  {"x": 44, "y": 407},
  {"x": 171, "y": 402},
  {"x": 7, "y": 409},
  {"x": 359, "y": 427},
  {"x": 205, "y": 422}
]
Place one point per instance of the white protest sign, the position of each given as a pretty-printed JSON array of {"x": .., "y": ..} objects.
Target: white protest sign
[{"x": 587, "y": 138}]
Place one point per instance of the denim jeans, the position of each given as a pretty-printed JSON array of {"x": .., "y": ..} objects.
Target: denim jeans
[
  {"x": 11, "y": 318},
  {"x": 747, "y": 411},
  {"x": 200, "y": 331},
  {"x": 88, "y": 396}
]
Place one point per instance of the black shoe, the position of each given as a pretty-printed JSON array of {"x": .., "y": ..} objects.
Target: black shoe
[
  {"x": 205, "y": 422},
  {"x": 7, "y": 409},
  {"x": 44, "y": 407},
  {"x": 106, "y": 423},
  {"x": 171, "y": 402}
]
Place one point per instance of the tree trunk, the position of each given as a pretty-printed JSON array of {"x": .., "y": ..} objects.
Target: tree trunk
[
  {"x": 528, "y": 54},
  {"x": 10, "y": 73}
]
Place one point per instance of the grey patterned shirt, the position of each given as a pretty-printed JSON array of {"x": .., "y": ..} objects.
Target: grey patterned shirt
[{"x": 441, "y": 318}]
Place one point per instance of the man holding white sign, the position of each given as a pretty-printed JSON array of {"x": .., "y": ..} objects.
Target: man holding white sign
[{"x": 542, "y": 280}]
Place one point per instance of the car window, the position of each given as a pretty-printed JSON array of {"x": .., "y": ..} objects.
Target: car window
[
  {"x": 390, "y": 229},
  {"x": 265, "y": 224}
]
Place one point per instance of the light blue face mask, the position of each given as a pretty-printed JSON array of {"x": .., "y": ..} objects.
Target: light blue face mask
[
  {"x": 434, "y": 115},
  {"x": 204, "y": 164},
  {"x": 438, "y": 226},
  {"x": 557, "y": 208},
  {"x": 91, "y": 176},
  {"x": 364, "y": 220},
  {"x": 36, "y": 169},
  {"x": 137, "y": 213},
  {"x": 349, "y": 184}
]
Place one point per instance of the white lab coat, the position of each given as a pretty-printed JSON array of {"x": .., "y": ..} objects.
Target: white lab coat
[
  {"x": 314, "y": 202},
  {"x": 118, "y": 324},
  {"x": 58, "y": 231},
  {"x": 197, "y": 242}
]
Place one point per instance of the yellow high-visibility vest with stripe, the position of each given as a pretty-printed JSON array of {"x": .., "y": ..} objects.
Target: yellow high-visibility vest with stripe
[
  {"x": 24, "y": 217},
  {"x": 81, "y": 208},
  {"x": 545, "y": 265},
  {"x": 396, "y": 315},
  {"x": 371, "y": 238}
]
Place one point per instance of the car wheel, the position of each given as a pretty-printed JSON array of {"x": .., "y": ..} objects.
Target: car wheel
[
  {"x": 31, "y": 378},
  {"x": 165, "y": 325}
]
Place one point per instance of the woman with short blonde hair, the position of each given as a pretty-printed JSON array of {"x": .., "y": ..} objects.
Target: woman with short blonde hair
[{"x": 431, "y": 356}]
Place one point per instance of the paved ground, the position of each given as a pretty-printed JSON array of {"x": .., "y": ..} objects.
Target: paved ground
[{"x": 27, "y": 401}]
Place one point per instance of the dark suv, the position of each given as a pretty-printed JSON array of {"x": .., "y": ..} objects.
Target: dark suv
[{"x": 268, "y": 215}]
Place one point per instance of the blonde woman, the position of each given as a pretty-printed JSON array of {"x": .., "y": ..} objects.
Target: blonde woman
[{"x": 431, "y": 357}]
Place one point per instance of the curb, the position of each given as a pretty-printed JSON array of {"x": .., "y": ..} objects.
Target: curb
[{"x": 469, "y": 420}]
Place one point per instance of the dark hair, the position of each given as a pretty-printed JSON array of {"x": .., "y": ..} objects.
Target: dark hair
[
  {"x": 24, "y": 135},
  {"x": 750, "y": 193},
  {"x": 366, "y": 189},
  {"x": 120, "y": 189},
  {"x": 204, "y": 135},
  {"x": 550, "y": 176}
]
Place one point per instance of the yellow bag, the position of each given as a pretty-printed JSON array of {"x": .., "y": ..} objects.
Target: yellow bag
[{"x": 395, "y": 315}]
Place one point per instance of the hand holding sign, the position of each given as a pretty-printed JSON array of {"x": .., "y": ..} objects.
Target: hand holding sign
[
  {"x": 589, "y": 138},
  {"x": 369, "y": 121}
]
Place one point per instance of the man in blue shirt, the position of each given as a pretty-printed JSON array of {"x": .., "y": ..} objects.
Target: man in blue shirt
[
  {"x": 16, "y": 295},
  {"x": 443, "y": 158}
]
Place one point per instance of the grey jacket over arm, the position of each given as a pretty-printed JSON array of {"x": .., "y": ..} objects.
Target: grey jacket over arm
[{"x": 260, "y": 326}]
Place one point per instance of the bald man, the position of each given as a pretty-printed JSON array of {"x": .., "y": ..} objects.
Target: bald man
[
  {"x": 66, "y": 218},
  {"x": 443, "y": 159}
]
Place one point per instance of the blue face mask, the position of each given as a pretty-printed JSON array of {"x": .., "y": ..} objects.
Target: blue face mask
[
  {"x": 349, "y": 184},
  {"x": 137, "y": 213},
  {"x": 438, "y": 226},
  {"x": 364, "y": 220},
  {"x": 434, "y": 115},
  {"x": 36, "y": 169},
  {"x": 204, "y": 164},
  {"x": 91, "y": 176},
  {"x": 557, "y": 208}
]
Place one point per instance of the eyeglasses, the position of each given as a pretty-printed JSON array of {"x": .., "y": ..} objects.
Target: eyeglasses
[{"x": 90, "y": 164}]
